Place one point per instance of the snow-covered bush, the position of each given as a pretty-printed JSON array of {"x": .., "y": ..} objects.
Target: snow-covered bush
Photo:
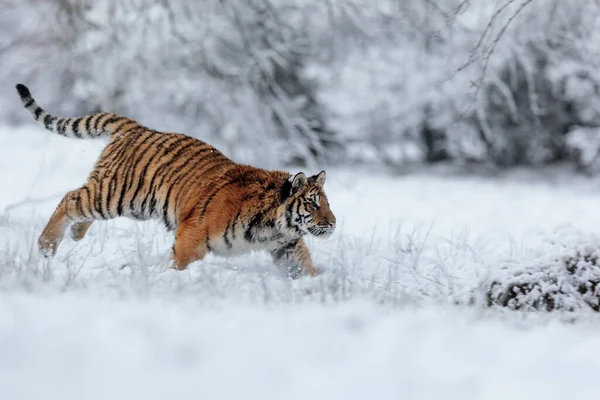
[{"x": 568, "y": 282}]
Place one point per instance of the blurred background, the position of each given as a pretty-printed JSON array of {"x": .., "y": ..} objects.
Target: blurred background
[{"x": 398, "y": 83}]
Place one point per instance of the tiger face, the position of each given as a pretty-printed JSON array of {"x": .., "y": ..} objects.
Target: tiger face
[{"x": 306, "y": 207}]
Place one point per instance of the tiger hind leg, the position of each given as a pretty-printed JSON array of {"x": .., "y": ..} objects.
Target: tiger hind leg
[
  {"x": 189, "y": 245},
  {"x": 79, "y": 229},
  {"x": 69, "y": 211}
]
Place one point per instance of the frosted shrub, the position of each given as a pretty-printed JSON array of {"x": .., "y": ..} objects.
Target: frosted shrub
[{"x": 568, "y": 283}]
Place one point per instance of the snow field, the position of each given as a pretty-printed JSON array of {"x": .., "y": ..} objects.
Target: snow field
[
  {"x": 104, "y": 318},
  {"x": 73, "y": 347}
]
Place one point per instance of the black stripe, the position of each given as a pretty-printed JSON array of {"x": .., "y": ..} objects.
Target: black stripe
[
  {"x": 133, "y": 160},
  {"x": 65, "y": 122},
  {"x": 125, "y": 123},
  {"x": 78, "y": 204},
  {"x": 60, "y": 128},
  {"x": 208, "y": 246},
  {"x": 110, "y": 155},
  {"x": 215, "y": 166},
  {"x": 152, "y": 208},
  {"x": 269, "y": 223},
  {"x": 116, "y": 162},
  {"x": 67, "y": 200},
  {"x": 162, "y": 166},
  {"x": 120, "y": 201},
  {"x": 168, "y": 170},
  {"x": 96, "y": 122},
  {"x": 225, "y": 238},
  {"x": 188, "y": 179},
  {"x": 36, "y": 114},
  {"x": 288, "y": 214},
  {"x": 29, "y": 103},
  {"x": 65, "y": 126},
  {"x": 48, "y": 121},
  {"x": 298, "y": 215},
  {"x": 176, "y": 171},
  {"x": 123, "y": 190},
  {"x": 179, "y": 179},
  {"x": 142, "y": 177},
  {"x": 112, "y": 186},
  {"x": 109, "y": 121},
  {"x": 99, "y": 200},
  {"x": 90, "y": 204},
  {"x": 100, "y": 124},
  {"x": 87, "y": 125},
  {"x": 286, "y": 249},
  {"x": 94, "y": 176},
  {"x": 166, "y": 211},
  {"x": 83, "y": 212},
  {"x": 234, "y": 223},
  {"x": 95, "y": 200},
  {"x": 76, "y": 128},
  {"x": 183, "y": 178},
  {"x": 254, "y": 223},
  {"x": 137, "y": 151},
  {"x": 237, "y": 180},
  {"x": 130, "y": 168}
]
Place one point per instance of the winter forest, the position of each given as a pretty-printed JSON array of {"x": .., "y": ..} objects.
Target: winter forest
[
  {"x": 461, "y": 140},
  {"x": 337, "y": 82}
]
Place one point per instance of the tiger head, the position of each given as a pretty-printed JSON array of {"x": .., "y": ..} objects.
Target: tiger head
[{"x": 305, "y": 208}]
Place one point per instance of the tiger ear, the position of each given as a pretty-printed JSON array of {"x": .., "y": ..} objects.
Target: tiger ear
[
  {"x": 292, "y": 185},
  {"x": 298, "y": 181},
  {"x": 320, "y": 178}
]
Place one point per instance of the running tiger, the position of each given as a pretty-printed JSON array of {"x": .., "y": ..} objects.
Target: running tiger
[{"x": 212, "y": 203}]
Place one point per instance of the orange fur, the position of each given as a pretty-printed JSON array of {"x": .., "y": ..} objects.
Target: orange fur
[{"x": 213, "y": 203}]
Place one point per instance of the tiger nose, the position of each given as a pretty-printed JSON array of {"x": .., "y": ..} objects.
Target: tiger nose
[{"x": 332, "y": 224}]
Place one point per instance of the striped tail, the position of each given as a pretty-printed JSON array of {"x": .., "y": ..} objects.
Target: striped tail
[{"x": 88, "y": 127}]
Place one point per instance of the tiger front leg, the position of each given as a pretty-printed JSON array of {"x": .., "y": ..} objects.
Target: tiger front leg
[{"x": 295, "y": 257}]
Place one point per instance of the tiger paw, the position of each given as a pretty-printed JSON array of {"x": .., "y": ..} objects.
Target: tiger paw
[{"x": 47, "y": 247}]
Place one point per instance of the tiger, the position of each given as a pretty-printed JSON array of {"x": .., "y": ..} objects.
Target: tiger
[{"x": 211, "y": 203}]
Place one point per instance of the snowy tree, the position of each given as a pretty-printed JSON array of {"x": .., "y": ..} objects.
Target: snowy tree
[{"x": 304, "y": 81}]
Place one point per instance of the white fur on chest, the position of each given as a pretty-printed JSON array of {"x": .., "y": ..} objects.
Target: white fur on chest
[
  {"x": 236, "y": 247},
  {"x": 266, "y": 239}
]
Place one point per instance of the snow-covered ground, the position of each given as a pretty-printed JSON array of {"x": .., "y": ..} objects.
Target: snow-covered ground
[{"x": 386, "y": 319}]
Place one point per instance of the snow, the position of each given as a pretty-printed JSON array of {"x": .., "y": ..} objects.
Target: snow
[
  {"x": 386, "y": 319},
  {"x": 68, "y": 348}
]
